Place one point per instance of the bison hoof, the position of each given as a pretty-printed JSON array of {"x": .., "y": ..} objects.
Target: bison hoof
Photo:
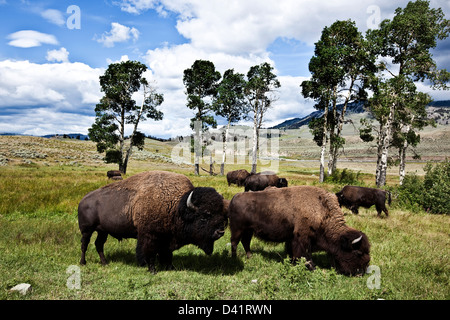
[
  {"x": 83, "y": 262},
  {"x": 249, "y": 255}
]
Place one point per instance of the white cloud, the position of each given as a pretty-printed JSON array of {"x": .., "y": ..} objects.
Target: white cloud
[
  {"x": 30, "y": 38},
  {"x": 47, "y": 98},
  {"x": 118, "y": 33},
  {"x": 61, "y": 55},
  {"x": 54, "y": 16},
  {"x": 64, "y": 87},
  {"x": 122, "y": 59}
]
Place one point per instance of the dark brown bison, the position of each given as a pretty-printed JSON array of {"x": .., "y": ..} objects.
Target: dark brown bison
[
  {"x": 306, "y": 218},
  {"x": 237, "y": 177},
  {"x": 353, "y": 197},
  {"x": 161, "y": 209},
  {"x": 114, "y": 173},
  {"x": 258, "y": 182}
]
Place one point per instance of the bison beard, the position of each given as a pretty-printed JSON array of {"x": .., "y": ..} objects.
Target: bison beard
[
  {"x": 306, "y": 218},
  {"x": 161, "y": 209}
]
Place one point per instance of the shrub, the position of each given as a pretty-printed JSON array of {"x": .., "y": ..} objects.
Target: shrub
[
  {"x": 431, "y": 194},
  {"x": 436, "y": 197},
  {"x": 410, "y": 193},
  {"x": 344, "y": 176}
]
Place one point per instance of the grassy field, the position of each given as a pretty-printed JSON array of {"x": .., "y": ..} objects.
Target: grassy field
[{"x": 40, "y": 240}]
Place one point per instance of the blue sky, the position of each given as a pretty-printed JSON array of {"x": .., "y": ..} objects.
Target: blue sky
[{"x": 49, "y": 70}]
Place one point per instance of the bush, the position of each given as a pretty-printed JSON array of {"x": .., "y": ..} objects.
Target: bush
[
  {"x": 431, "y": 194},
  {"x": 410, "y": 193},
  {"x": 344, "y": 177},
  {"x": 436, "y": 197}
]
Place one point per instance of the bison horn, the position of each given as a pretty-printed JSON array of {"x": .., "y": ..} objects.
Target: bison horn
[
  {"x": 189, "y": 201},
  {"x": 357, "y": 240}
]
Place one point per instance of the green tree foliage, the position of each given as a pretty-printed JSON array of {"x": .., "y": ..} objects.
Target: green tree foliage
[
  {"x": 340, "y": 69},
  {"x": 117, "y": 109},
  {"x": 407, "y": 41}
]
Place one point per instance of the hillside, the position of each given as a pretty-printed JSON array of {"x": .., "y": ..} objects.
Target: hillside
[
  {"x": 437, "y": 110},
  {"x": 294, "y": 145},
  {"x": 30, "y": 150}
]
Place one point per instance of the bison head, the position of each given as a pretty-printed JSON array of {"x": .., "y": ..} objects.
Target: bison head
[
  {"x": 353, "y": 256},
  {"x": 204, "y": 217}
]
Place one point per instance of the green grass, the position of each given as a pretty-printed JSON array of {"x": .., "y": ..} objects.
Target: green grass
[{"x": 39, "y": 240}]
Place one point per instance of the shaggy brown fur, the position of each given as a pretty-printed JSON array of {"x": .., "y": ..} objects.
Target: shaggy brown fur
[
  {"x": 306, "y": 218},
  {"x": 237, "y": 177},
  {"x": 152, "y": 207}
]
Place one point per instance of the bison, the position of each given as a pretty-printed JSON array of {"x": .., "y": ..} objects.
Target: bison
[
  {"x": 237, "y": 177},
  {"x": 259, "y": 182},
  {"x": 111, "y": 174},
  {"x": 353, "y": 197},
  {"x": 161, "y": 209},
  {"x": 306, "y": 218}
]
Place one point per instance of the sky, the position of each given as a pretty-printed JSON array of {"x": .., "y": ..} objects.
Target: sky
[{"x": 52, "y": 53}]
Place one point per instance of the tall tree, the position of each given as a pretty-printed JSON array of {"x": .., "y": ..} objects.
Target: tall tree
[
  {"x": 201, "y": 82},
  {"x": 117, "y": 109},
  {"x": 260, "y": 93},
  {"x": 340, "y": 69},
  {"x": 406, "y": 41},
  {"x": 230, "y": 104}
]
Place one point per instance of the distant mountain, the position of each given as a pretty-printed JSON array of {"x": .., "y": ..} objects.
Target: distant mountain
[
  {"x": 78, "y": 136},
  {"x": 296, "y": 123},
  {"x": 437, "y": 110}
]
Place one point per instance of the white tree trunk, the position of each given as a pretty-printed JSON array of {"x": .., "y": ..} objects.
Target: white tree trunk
[
  {"x": 324, "y": 146},
  {"x": 255, "y": 142},
  {"x": 222, "y": 166},
  {"x": 384, "y": 149}
]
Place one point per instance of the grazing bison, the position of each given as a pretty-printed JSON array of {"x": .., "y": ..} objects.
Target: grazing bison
[
  {"x": 114, "y": 174},
  {"x": 161, "y": 209},
  {"x": 354, "y": 197},
  {"x": 259, "y": 182},
  {"x": 237, "y": 177},
  {"x": 306, "y": 218}
]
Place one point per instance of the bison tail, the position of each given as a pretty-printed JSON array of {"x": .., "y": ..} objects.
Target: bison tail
[{"x": 389, "y": 197}]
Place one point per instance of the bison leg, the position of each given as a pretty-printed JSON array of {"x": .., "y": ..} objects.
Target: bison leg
[
  {"x": 246, "y": 238},
  {"x": 148, "y": 251},
  {"x": 354, "y": 209},
  {"x": 165, "y": 259},
  {"x": 235, "y": 238},
  {"x": 301, "y": 247},
  {"x": 99, "y": 244},
  {"x": 85, "y": 238},
  {"x": 380, "y": 208}
]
